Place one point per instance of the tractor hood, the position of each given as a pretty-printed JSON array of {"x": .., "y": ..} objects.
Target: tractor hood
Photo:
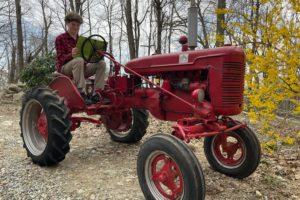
[{"x": 187, "y": 60}]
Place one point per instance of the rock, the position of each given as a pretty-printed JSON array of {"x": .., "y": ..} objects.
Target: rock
[
  {"x": 297, "y": 176},
  {"x": 265, "y": 198},
  {"x": 91, "y": 148},
  {"x": 120, "y": 184},
  {"x": 281, "y": 179},
  {"x": 4, "y": 182},
  {"x": 14, "y": 88},
  {"x": 92, "y": 196},
  {"x": 279, "y": 168},
  {"x": 21, "y": 85},
  {"x": 109, "y": 172},
  {"x": 7, "y": 123},
  {"x": 235, "y": 184},
  {"x": 295, "y": 165},
  {"x": 219, "y": 188},
  {"x": 258, "y": 193},
  {"x": 8, "y": 95},
  {"x": 80, "y": 191},
  {"x": 7, "y": 91},
  {"x": 2, "y": 94},
  {"x": 19, "y": 96},
  {"x": 140, "y": 195},
  {"x": 94, "y": 152},
  {"x": 191, "y": 146},
  {"x": 294, "y": 197}
]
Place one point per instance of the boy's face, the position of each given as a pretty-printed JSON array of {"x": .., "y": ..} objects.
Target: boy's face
[{"x": 73, "y": 27}]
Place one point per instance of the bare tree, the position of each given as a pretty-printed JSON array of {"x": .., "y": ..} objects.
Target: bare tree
[
  {"x": 129, "y": 29},
  {"x": 137, "y": 25},
  {"x": 160, "y": 15},
  {"x": 78, "y": 8},
  {"x": 20, "y": 35},
  {"x": 109, "y": 15},
  {"x": 220, "y": 23},
  {"x": 47, "y": 23},
  {"x": 12, "y": 64}
]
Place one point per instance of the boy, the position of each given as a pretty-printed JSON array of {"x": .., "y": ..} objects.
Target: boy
[{"x": 65, "y": 45}]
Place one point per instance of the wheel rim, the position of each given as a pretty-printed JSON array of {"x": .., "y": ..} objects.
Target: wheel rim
[
  {"x": 127, "y": 120},
  {"x": 33, "y": 121},
  {"x": 163, "y": 176},
  {"x": 234, "y": 156}
]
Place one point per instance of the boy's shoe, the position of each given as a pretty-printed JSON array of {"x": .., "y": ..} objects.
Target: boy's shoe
[
  {"x": 85, "y": 99},
  {"x": 95, "y": 99}
]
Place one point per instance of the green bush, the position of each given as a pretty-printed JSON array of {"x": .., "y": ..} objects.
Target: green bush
[{"x": 40, "y": 71}]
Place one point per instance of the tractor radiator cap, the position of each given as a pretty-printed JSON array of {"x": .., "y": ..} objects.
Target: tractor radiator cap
[{"x": 183, "y": 40}]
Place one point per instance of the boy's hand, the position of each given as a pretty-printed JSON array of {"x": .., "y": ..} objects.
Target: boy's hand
[{"x": 75, "y": 51}]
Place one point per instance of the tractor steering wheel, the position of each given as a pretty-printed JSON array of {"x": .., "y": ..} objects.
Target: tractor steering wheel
[{"x": 93, "y": 41}]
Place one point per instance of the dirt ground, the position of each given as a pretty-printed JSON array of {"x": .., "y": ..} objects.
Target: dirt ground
[{"x": 98, "y": 168}]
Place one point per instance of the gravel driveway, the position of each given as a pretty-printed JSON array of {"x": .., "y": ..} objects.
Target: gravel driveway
[{"x": 98, "y": 168}]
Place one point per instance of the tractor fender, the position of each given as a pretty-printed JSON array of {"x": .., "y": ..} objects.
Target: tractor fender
[{"x": 68, "y": 90}]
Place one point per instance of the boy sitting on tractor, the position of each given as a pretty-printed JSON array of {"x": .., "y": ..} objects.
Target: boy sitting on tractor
[{"x": 78, "y": 68}]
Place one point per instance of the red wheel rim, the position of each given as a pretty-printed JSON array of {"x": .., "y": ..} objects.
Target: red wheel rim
[
  {"x": 42, "y": 126},
  {"x": 233, "y": 156},
  {"x": 168, "y": 179}
]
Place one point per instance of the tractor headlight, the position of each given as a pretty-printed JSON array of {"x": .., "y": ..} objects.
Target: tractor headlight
[{"x": 198, "y": 95}]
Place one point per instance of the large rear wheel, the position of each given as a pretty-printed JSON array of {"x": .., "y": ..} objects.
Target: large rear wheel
[
  {"x": 167, "y": 169},
  {"x": 243, "y": 154},
  {"x": 45, "y": 126}
]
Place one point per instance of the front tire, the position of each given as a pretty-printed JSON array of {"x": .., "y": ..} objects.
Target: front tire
[
  {"x": 243, "y": 158},
  {"x": 167, "y": 169},
  {"x": 45, "y": 126}
]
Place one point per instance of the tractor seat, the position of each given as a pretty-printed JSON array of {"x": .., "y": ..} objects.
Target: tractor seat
[{"x": 57, "y": 74}]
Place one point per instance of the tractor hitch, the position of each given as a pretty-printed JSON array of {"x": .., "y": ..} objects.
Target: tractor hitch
[{"x": 186, "y": 132}]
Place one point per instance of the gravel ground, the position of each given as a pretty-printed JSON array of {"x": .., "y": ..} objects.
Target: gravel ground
[{"x": 98, "y": 168}]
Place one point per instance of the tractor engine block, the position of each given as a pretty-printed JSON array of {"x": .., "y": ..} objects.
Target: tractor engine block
[{"x": 218, "y": 72}]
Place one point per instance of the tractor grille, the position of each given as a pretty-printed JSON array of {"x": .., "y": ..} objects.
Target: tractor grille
[{"x": 232, "y": 91}]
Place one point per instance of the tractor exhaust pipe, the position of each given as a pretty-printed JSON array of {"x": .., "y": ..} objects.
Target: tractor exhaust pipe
[{"x": 192, "y": 26}]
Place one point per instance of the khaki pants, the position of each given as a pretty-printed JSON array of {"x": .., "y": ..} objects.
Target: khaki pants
[{"x": 75, "y": 68}]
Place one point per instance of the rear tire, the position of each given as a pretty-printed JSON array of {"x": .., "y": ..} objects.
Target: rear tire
[
  {"x": 139, "y": 123},
  {"x": 52, "y": 149}
]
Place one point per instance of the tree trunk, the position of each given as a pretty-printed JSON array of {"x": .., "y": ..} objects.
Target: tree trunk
[
  {"x": 150, "y": 30},
  {"x": 45, "y": 26},
  {"x": 129, "y": 29},
  {"x": 204, "y": 42},
  {"x": 220, "y": 21},
  {"x": 72, "y": 5},
  {"x": 159, "y": 21},
  {"x": 171, "y": 27},
  {"x": 13, "y": 65},
  {"x": 20, "y": 36},
  {"x": 120, "y": 42},
  {"x": 89, "y": 17}
]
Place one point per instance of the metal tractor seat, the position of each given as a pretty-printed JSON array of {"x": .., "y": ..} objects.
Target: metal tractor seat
[{"x": 89, "y": 83}]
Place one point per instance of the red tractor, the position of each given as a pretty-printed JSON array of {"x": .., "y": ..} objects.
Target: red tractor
[{"x": 198, "y": 89}]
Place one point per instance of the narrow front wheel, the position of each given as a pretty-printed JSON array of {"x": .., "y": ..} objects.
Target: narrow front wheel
[
  {"x": 167, "y": 169},
  {"x": 241, "y": 157}
]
